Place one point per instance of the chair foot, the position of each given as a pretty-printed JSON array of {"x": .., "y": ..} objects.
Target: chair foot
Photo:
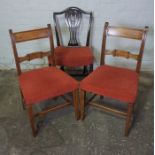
[
  {"x": 31, "y": 118},
  {"x": 75, "y": 102},
  {"x": 82, "y": 99},
  {"x": 128, "y": 119}
]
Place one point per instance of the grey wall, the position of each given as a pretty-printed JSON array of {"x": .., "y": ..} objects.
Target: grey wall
[{"x": 28, "y": 14}]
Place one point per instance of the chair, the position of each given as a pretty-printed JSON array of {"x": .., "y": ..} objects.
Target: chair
[
  {"x": 115, "y": 82},
  {"x": 44, "y": 83},
  {"x": 74, "y": 55}
]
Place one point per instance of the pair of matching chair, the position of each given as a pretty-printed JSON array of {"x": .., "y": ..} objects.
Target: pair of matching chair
[{"x": 50, "y": 82}]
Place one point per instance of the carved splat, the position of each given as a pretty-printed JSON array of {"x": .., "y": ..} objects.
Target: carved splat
[
  {"x": 73, "y": 17},
  {"x": 73, "y": 20}
]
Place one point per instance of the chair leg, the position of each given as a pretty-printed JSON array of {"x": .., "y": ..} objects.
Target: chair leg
[
  {"x": 75, "y": 102},
  {"x": 85, "y": 70},
  {"x": 128, "y": 119},
  {"x": 91, "y": 68},
  {"x": 23, "y": 102},
  {"x": 31, "y": 118},
  {"x": 101, "y": 97},
  {"x": 62, "y": 68},
  {"x": 82, "y": 99}
]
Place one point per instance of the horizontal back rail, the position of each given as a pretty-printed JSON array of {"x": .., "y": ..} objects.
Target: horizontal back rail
[
  {"x": 34, "y": 55},
  {"x": 121, "y": 53},
  {"x": 31, "y": 35},
  {"x": 125, "y": 32}
]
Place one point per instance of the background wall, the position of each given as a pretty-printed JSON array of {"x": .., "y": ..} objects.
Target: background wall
[{"x": 27, "y": 14}]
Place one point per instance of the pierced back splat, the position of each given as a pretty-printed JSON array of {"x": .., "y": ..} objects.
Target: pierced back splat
[
  {"x": 73, "y": 17},
  {"x": 73, "y": 20}
]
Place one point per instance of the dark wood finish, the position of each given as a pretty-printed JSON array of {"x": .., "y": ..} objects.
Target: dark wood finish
[
  {"x": 73, "y": 17},
  {"x": 23, "y": 36},
  {"x": 137, "y": 34},
  {"x": 91, "y": 68}
]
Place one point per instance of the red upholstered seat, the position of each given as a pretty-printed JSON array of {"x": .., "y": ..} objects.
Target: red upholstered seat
[
  {"x": 73, "y": 56},
  {"x": 113, "y": 82},
  {"x": 45, "y": 83}
]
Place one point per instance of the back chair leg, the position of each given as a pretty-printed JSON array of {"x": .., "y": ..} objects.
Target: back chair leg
[
  {"x": 75, "y": 102},
  {"x": 62, "y": 68},
  {"x": 128, "y": 119},
  {"x": 85, "y": 70},
  {"x": 82, "y": 99},
  {"x": 91, "y": 68},
  {"x": 32, "y": 121},
  {"x": 101, "y": 97}
]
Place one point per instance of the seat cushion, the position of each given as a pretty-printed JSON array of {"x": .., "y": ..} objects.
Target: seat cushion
[
  {"x": 45, "y": 83},
  {"x": 73, "y": 56},
  {"x": 113, "y": 82}
]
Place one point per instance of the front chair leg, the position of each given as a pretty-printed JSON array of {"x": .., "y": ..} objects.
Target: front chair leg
[
  {"x": 31, "y": 118},
  {"x": 75, "y": 102},
  {"x": 23, "y": 101},
  {"x": 82, "y": 99},
  {"x": 128, "y": 119}
]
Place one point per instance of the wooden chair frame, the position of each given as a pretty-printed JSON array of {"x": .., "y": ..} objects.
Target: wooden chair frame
[
  {"x": 77, "y": 13},
  {"x": 138, "y": 34},
  {"x": 18, "y": 37}
]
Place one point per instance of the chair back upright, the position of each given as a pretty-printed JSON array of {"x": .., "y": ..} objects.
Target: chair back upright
[
  {"x": 35, "y": 34},
  {"x": 129, "y": 33}
]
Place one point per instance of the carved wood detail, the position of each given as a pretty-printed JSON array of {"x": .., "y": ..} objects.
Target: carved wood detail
[{"x": 121, "y": 53}]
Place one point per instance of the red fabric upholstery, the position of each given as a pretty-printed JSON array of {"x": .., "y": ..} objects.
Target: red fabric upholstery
[
  {"x": 45, "y": 83},
  {"x": 113, "y": 82},
  {"x": 73, "y": 56}
]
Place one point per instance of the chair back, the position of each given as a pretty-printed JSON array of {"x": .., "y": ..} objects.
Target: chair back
[
  {"x": 23, "y": 36},
  {"x": 129, "y": 33},
  {"x": 73, "y": 17}
]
